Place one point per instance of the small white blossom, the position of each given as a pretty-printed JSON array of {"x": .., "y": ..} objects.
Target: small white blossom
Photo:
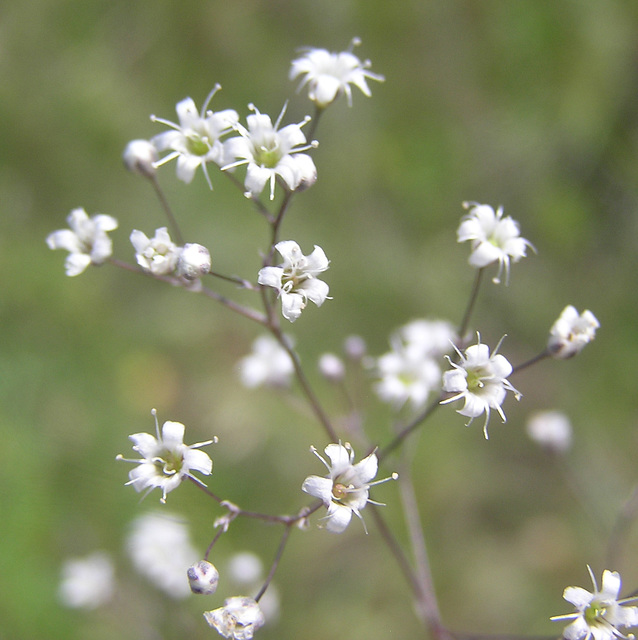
[
  {"x": 355, "y": 347},
  {"x": 296, "y": 278},
  {"x": 493, "y": 237},
  {"x": 328, "y": 75},
  {"x": 140, "y": 156},
  {"x": 158, "y": 254},
  {"x": 551, "y": 430},
  {"x": 345, "y": 490},
  {"x": 268, "y": 364},
  {"x": 193, "y": 261},
  {"x": 195, "y": 141},
  {"x": 88, "y": 582},
  {"x": 410, "y": 371},
  {"x": 161, "y": 550},
  {"x": 270, "y": 152},
  {"x": 86, "y": 240},
  {"x": 166, "y": 461},
  {"x": 599, "y": 614},
  {"x": 480, "y": 380},
  {"x": 331, "y": 367},
  {"x": 571, "y": 332},
  {"x": 239, "y": 618},
  {"x": 203, "y": 578}
]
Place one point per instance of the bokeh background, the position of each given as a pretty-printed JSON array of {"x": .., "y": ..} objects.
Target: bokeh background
[{"x": 532, "y": 105}]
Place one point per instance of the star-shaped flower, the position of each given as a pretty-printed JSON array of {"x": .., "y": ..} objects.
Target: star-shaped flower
[
  {"x": 599, "y": 614},
  {"x": 166, "y": 460},
  {"x": 493, "y": 237},
  {"x": 480, "y": 380},
  {"x": 239, "y": 618},
  {"x": 328, "y": 75},
  {"x": 346, "y": 488},
  {"x": 296, "y": 278},
  {"x": 86, "y": 240},
  {"x": 270, "y": 152},
  {"x": 195, "y": 141},
  {"x": 571, "y": 332}
]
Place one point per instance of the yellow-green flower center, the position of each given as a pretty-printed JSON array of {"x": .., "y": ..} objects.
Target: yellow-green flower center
[
  {"x": 197, "y": 144},
  {"x": 339, "y": 491},
  {"x": 595, "y": 612}
]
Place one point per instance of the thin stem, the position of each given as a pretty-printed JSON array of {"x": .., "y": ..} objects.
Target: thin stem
[
  {"x": 621, "y": 527},
  {"x": 275, "y": 564},
  {"x": 172, "y": 221},
  {"x": 259, "y": 205},
  {"x": 541, "y": 356},
  {"x": 218, "y": 535},
  {"x": 470, "y": 306}
]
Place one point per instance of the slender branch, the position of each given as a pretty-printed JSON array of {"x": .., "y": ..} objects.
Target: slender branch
[
  {"x": 177, "y": 234},
  {"x": 470, "y": 306},
  {"x": 541, "y": 356},
  {"x": 275, "y": 564}
]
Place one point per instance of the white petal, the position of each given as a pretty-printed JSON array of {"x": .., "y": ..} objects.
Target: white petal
[
  {"x": 338, "y": 518},
  {"x": 270, "y": 277},
  {"x": 319, "y": 488}
]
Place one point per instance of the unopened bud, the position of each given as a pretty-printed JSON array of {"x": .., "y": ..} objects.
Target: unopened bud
[
  {"x": 203, "y": 578},
  {"x": 140, "y": 157},
  {"x": 354, "y": 347},
  {"x": 194, "y": 261}
]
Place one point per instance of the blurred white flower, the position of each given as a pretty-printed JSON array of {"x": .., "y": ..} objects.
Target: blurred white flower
[
  {"x": 195, "y": 141},
  {"x": 411, "y": 370},
  {"x": 599, "y": 613},
  {"x": 551, "y": 430},
  {"x": 158, "y": 254},
  {"x": 571, "y": 332},
  {"x": 331, "y": 367},
  {"x": 239, "y": 618},
  {"x": 480, "y": 380},
  {"x": 328, "y": 75},
  {"x": 86, "y": 240},
  {"x": 268, "y": 364},
  {"x": 203, "y": 578},
  {"x": 346, "y": 488},
  {"x": 493, "y": 238},
  {"x": 140, "y": 157},
  {"x": 245, "y": 568},
  {"x": 161, "y": 550},
  {"x": 166, "y": 460},
  {"x": 271, "y": 152},
  {"x": 88, "y": 582},
  {"x": 296, "y": 278},
  {"x": 193, "y": 262}
]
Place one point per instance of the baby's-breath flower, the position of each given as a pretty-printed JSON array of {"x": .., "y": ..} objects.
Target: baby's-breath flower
[
  {"x": 166, "y": 460},
  {"x": 268, "y": 364},
  {"x": 86, "y": 240},
  {"x": 328, "y": 75},
  {"x": 270, "y": 152},
  {"x": 193, "y": 262},
  {"x": 203, "y": 577},
  {"x": 296, "y": 278},
  {"x": 140, "y": 157},
  {"x": 480, "y": 380},
  {"x": 157, "y": 255},
  {"x": 239, "y": 618},
  {"x": 599, "y": 614},
  {"x": 345, "y": 490},
  {"x": 331, "y": 367},
  {"x": 88, "y": 582},
  {"x": 493, "y": 237},
  {"x": 161, "y": 550},
  {"x": 571, "y": 332},
  {"x": 552, "y": 430},
  {"x": 195, "y": 141}
]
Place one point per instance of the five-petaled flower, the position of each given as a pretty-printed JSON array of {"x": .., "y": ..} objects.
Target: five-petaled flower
[
  {"x": 346, "y": 488},
  {"x": 493, "y": 237},
  {"x": 271, "y": 152},
  {"x": 328, "y": 75},
  {"x": 571, "y": 332},
  {"x": 599, "y": 614},
  {"x": 158, "y": 254},
  {"x": 480, "y": 380},
  {"x": 239, "y": 618},
  {"x": 86, "y": 240},
  {"x": 296, "y": 278},
  {"x": 195, "y": 141},
  {"x": 166, "y": 460}
]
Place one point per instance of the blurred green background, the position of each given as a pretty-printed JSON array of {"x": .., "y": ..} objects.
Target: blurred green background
[{"x": 528, "y": 104}]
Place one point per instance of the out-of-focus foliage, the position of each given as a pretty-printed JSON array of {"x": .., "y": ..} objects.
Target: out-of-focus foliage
[{"x": 532, "y": 105}]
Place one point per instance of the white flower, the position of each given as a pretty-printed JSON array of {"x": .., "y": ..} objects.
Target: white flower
[
  {"x": 346, "y": 488},
  {"x": 86, "y": 240},
  {"x": 245, "y": 568},
  {"x": 158, "y": 255},
  {"x": 328, "y": 75},
  {"x": 494, "y": 238},
  {"x": 140, "y": 157},
  {"x": 270, "y": 152},
  {"x": 195, "y": 141},
  {"x": 268, "y": 364},
  {"x": 599, "y": 613},
  {"x": 166, "y": 460},
  {"x": 480, "y": 380},
  {"x": 239, "y": 618},
  {"x": 203, "y": 578},
  {"x": 571, "y": 332},
  {"x": 411, "y": 371},
  {"x": 331, "y": 367},
  {"x": 88, "y": 582},
  {"x": 193, "y": 262},
  {"x": 296, "y": 278},
  {"x": 550, "y": 429},
  {"x": 161, "y": 550}
]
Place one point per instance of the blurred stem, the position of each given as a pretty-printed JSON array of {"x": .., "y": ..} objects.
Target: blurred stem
[
  {"x": 172, "y": 221},
  {"x": 470, "y": 306},
  {"x": 621, "y": 528},
  {"x": 541, "y": 356},
  {"x": 275, "y": 564}
]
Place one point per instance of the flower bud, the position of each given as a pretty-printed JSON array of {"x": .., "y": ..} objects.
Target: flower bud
[
  {"x": 203, "y": 578},
  {"x": 194, "y": 261},
  {"x": 354, "y": 347},
  {"x": 331, "y": 367},
  {"x": 140, "y": 157},
  {"x": 552, "y": 430}
]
